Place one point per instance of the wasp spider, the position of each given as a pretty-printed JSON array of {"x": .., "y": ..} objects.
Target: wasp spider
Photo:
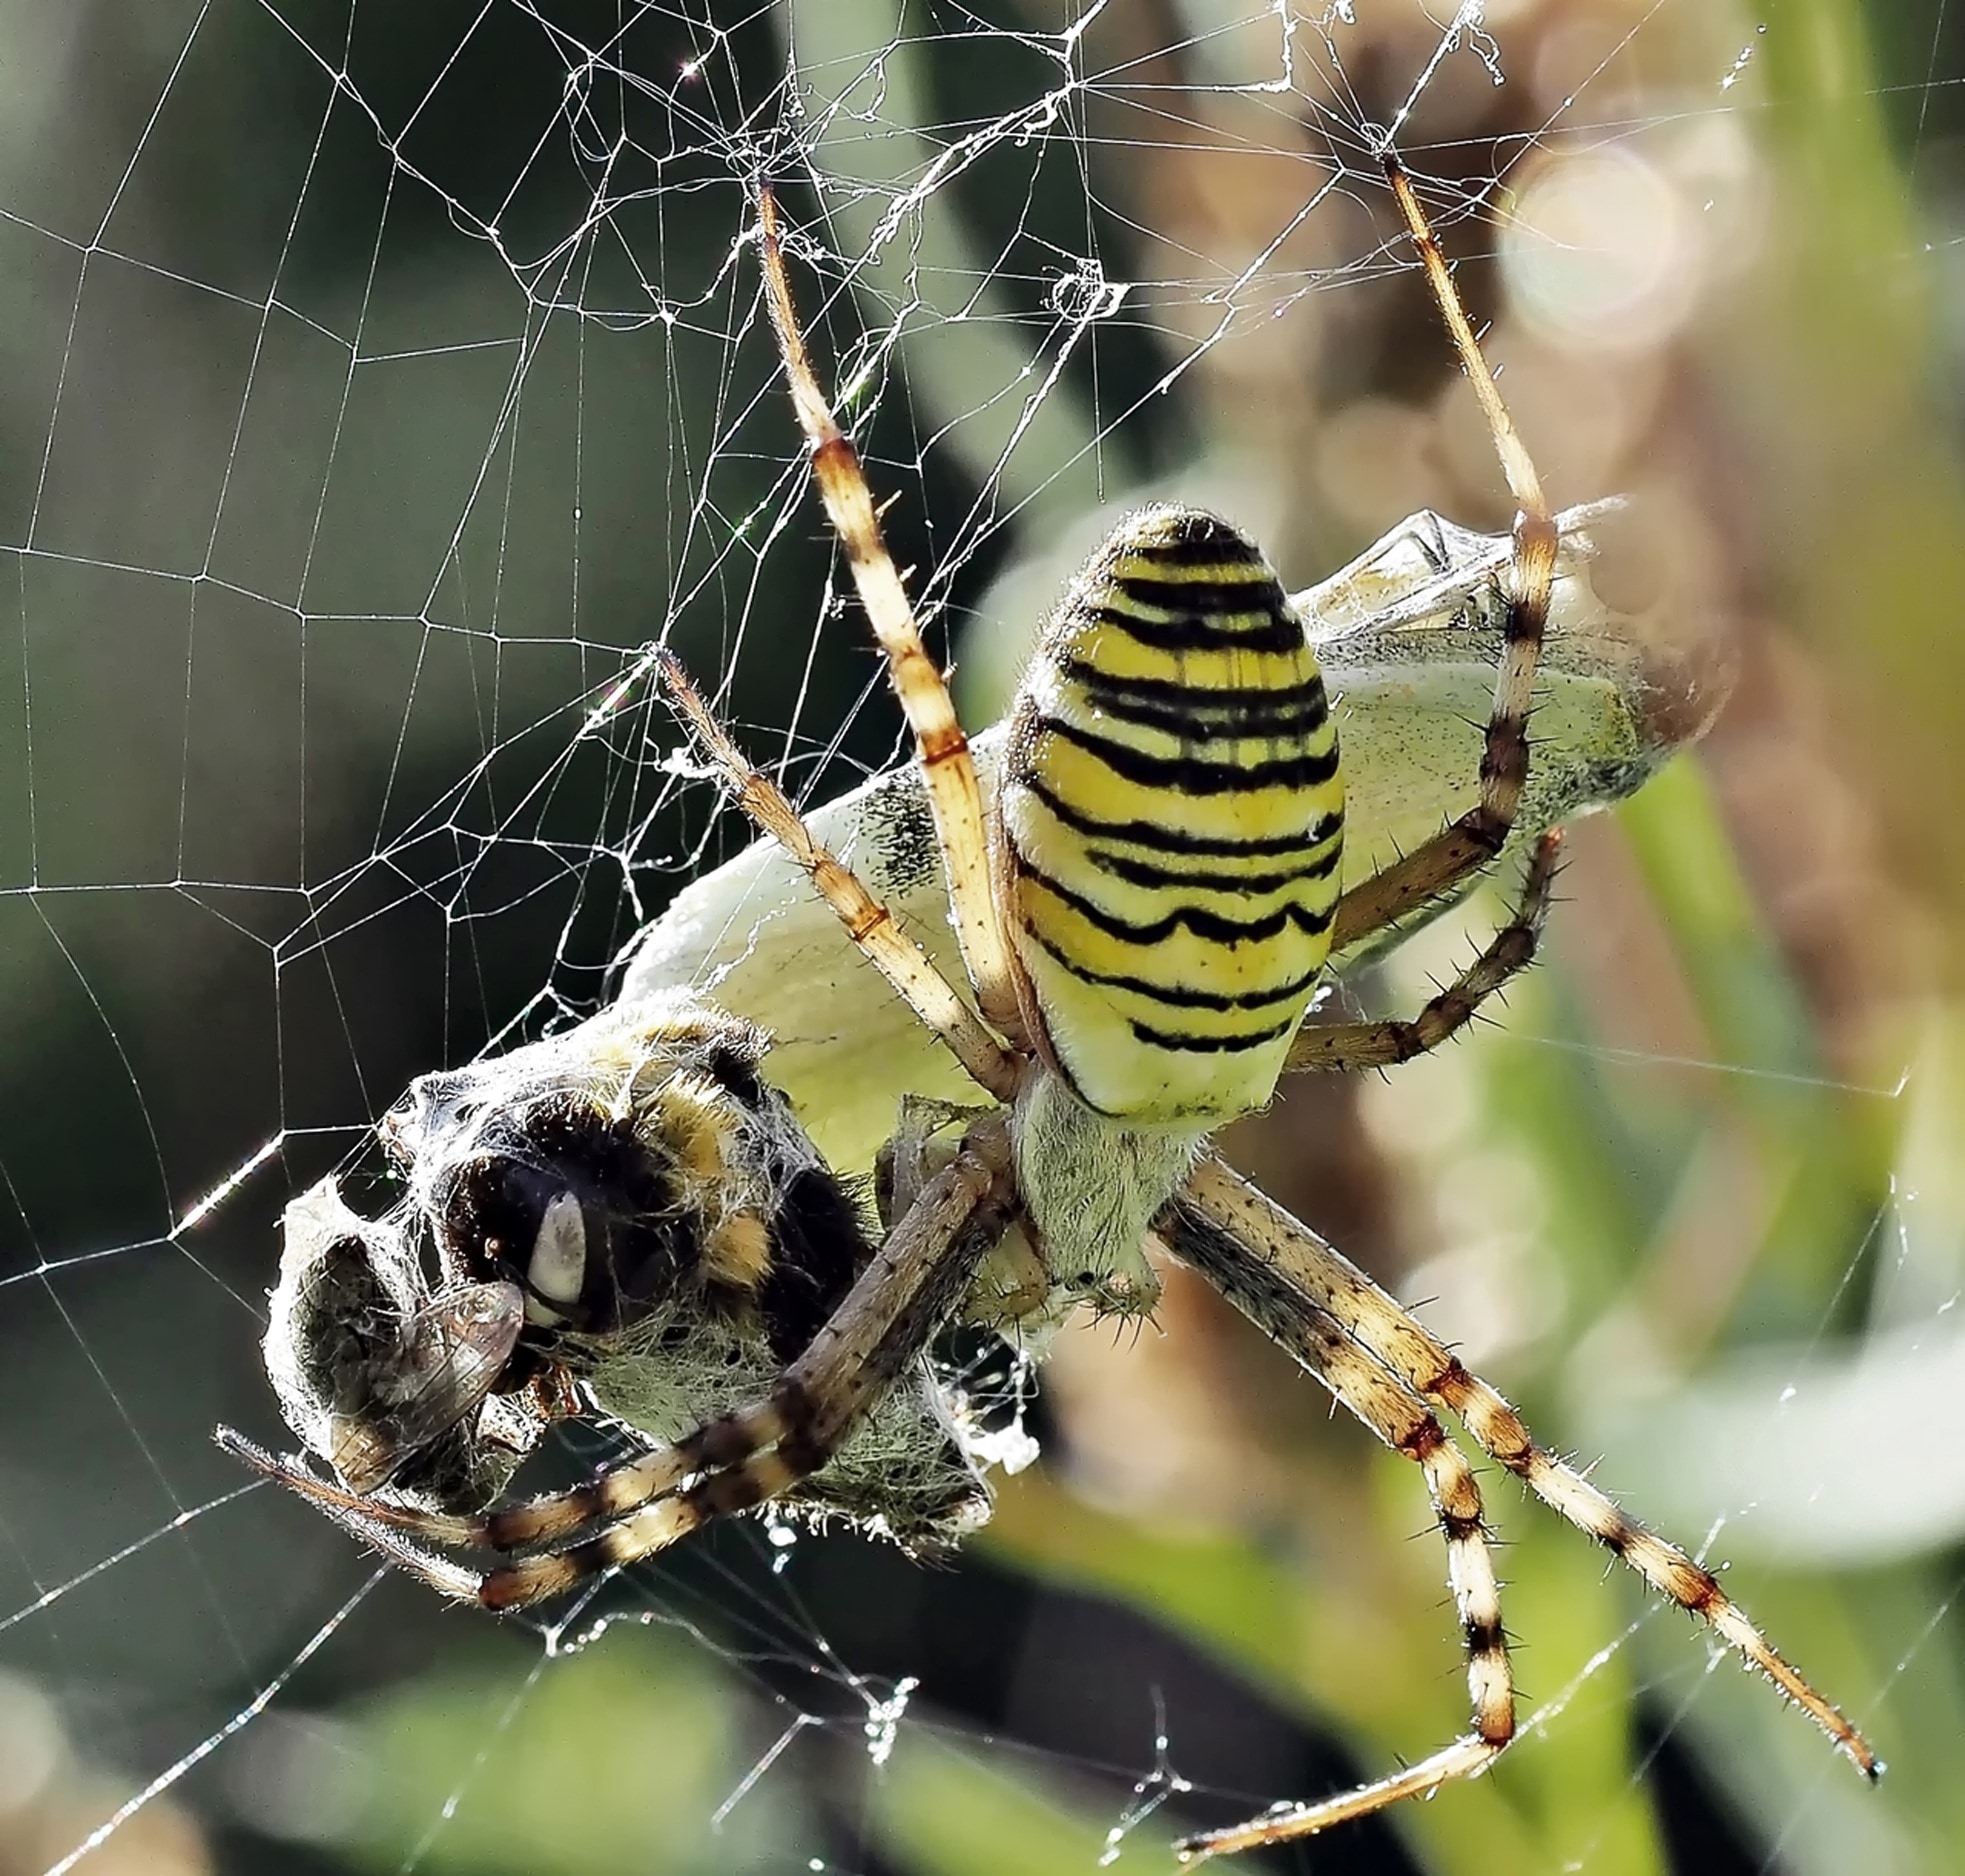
[{"x": 1143, "y": 919}]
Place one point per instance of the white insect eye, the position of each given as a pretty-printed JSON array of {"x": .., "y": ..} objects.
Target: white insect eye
[{"x": 558, "y": 1266}]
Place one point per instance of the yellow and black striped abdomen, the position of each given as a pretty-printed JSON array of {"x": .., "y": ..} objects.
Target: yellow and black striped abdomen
[{"x": 1173, "y": 818}]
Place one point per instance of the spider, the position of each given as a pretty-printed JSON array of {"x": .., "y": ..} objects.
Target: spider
[{"x": 1143, "y": 918}]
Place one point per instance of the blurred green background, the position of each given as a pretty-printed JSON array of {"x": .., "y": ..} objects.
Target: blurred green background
[{"x": 379, "y": 381}]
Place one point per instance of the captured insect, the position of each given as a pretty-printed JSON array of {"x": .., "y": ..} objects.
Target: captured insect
[
  {"x": 1143, "y": 912},
  {"x": 624, "y": 1218},
  {"x": 1408, "y": 637}
]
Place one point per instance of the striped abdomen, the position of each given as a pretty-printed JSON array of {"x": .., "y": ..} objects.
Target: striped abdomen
[{"x": 1172, "y": 815}]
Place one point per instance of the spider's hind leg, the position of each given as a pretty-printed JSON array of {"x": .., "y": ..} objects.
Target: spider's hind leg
[
  {"x": 941, "y": 746},
  {"x": 1287, "y": 1279},
  {"x": 1262, "y": 1290}
]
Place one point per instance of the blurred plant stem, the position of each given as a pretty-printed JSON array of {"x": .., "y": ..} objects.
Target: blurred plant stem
[{"x": 1870, "y": 542}]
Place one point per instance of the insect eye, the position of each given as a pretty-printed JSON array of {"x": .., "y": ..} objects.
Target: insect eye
[{"x": 556, "y": 1272}]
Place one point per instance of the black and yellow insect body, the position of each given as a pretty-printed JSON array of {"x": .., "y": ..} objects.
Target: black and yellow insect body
[
  {"x": 1173, "y": 819},
  {"x": 625, "y": 1218}
]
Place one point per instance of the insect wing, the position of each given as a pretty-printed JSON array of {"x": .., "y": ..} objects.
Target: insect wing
[
  {"x": 1409, "y": 636},
  {"x": 453, "y": 1351}
]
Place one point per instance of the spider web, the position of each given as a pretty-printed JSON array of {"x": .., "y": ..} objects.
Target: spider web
[{"x": 383, "y": 384}]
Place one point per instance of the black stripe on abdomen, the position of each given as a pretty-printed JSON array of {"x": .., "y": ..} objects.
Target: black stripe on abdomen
[
  {"x": 1172, "y": 840},
  {"x": 1192, "y": 774},
  {"x": 1213, "y": 927}
]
